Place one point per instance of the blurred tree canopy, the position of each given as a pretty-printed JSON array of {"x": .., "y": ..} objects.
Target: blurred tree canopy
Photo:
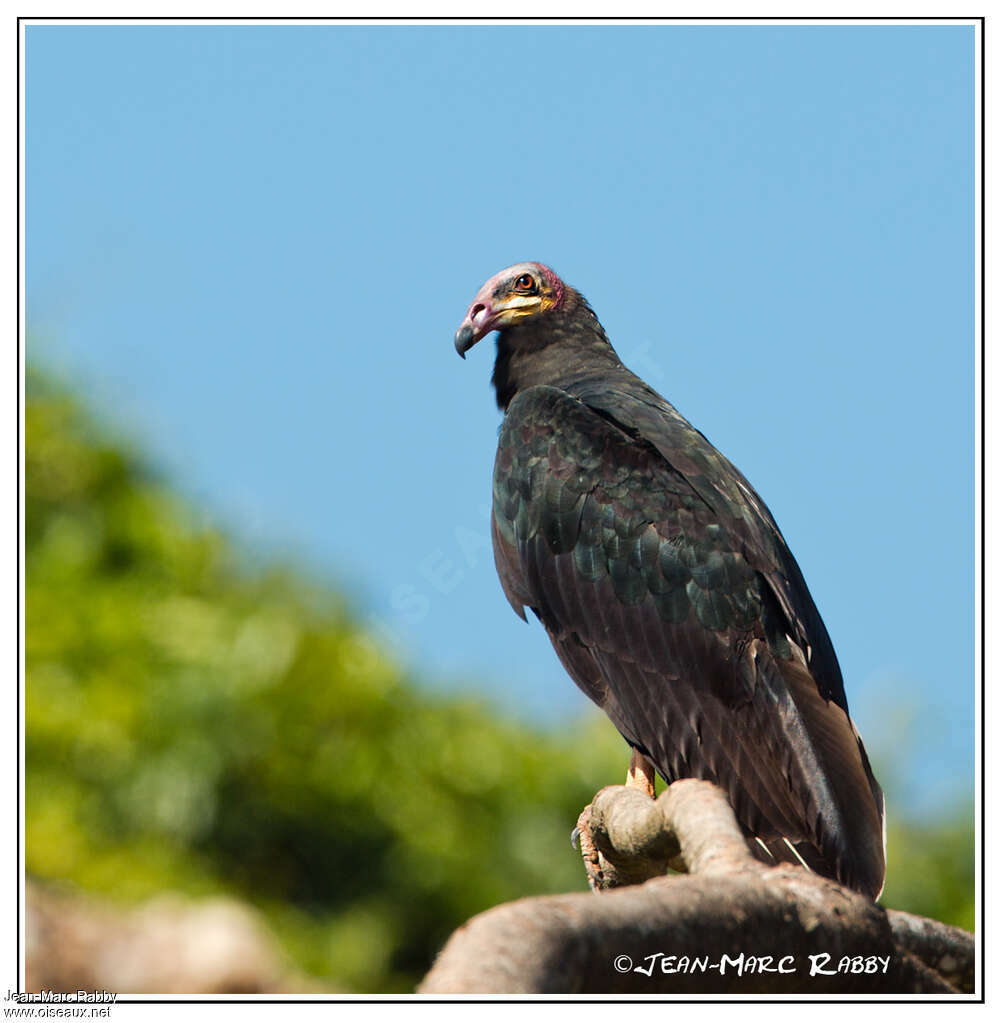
[{"x": 198, "y": 726}]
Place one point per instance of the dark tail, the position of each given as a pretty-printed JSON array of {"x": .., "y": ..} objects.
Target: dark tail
[{"x": 844, "y": 808}]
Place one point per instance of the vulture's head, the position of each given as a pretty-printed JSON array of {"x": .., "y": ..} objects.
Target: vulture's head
[
  {"x": 514, "y": 296},
  {"x": 546, "y": 330}
]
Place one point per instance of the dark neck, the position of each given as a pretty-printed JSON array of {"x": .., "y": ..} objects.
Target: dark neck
[{"x": 555, "y": 349}]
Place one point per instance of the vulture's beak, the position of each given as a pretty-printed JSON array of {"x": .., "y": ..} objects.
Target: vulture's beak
[
  {"x": 464, "y": 340},
  {"x": 481, "y": 318},
  {"x": 488, "y": 313}
]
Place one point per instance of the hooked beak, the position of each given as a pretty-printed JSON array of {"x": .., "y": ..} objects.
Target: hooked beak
[
  {"x": 480, "y": 320},
  {"x": 464, "y": 340}
]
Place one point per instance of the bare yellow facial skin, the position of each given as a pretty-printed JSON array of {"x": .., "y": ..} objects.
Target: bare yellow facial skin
[{"x": 517, "y": 305}]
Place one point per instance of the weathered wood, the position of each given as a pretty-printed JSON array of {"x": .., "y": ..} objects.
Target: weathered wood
[{"x": 732, "y": 925}]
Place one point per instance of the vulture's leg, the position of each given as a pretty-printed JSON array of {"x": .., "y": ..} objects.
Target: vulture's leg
[{"x": 641, "y": 775}]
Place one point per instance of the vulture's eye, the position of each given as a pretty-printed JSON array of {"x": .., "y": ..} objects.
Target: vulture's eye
[{"x": 525, "y": 283}]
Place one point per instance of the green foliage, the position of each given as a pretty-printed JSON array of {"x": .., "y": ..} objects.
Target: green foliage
[
  {"x": 931, "y": 867},
  {"x": 195, "y": 726}
]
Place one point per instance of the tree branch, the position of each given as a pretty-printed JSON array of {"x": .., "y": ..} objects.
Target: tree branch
[{"x": 732, "y": 925}]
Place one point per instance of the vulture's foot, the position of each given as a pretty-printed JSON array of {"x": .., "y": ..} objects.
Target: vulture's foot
[{"x": 641, "y": 774}]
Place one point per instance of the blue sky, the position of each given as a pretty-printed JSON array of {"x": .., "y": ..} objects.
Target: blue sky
[{"x": 250, "y": 247}]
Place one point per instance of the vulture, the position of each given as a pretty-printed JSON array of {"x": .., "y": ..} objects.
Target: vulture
[{"x": 666, "y": 587}]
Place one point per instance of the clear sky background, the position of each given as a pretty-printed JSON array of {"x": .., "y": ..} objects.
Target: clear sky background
[{"x": 251, "y": 246}]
